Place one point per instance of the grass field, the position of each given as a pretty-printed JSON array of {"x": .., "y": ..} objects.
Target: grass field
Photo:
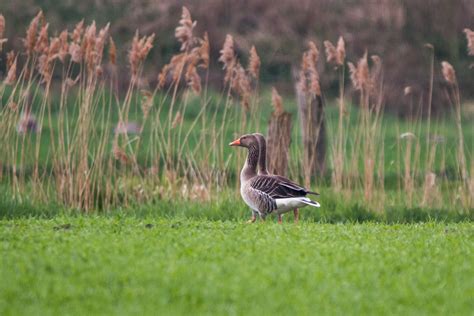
[
  {"x": 124, "y": 200},
  {"x": 124, "y": 264}
]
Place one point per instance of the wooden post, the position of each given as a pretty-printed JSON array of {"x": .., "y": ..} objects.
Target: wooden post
[{"x": 278, "y": 142}]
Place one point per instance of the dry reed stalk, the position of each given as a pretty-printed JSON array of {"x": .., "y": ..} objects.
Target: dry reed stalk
[
  {"x": 381, "y": 177},
  {"x": 178, "y": 120},
  {"x": 11, "y": 74},
  {"x": 454, "y": 97},
  {"x": 253, "y": 70},
  {"x": 408, "y": 182},
  {"x": 363, "y": 80},
  {"x": 238, "y": 82},
  {"x": 336, "y": 55},
  {"x": 194, "y": 56},
  {"x": 471, "y": 186},
  {"x": 429, "y": 186},
  {"x": 430, "y": 192},
  {"x": 311, "y": 113},
  {"x": 430, "y": 93},
  {"x": 112, "y": 51}
]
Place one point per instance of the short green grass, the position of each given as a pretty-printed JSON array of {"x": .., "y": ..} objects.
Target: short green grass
[{"x": 126, "y": 264}]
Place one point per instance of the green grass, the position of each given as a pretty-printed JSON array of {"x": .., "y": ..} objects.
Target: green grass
[
  {"x": 123, "y": 264},
  {"x": 229, "y": 206}
]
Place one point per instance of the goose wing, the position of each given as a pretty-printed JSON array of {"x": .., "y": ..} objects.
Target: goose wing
[{"x": 278, "y": 187}]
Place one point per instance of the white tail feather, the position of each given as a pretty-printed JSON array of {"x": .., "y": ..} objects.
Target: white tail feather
[{"x": 310, "y": 202}]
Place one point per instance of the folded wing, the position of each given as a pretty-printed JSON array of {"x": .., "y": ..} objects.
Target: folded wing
[{"x": 278, "y": 187}]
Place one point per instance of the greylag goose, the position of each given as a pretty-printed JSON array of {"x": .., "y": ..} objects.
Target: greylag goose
[
  {"x": 266, "y": 194},
  {"x": 262, "y": 170}
]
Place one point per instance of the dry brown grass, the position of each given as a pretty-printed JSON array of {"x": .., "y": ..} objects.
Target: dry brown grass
[{"x": 93, "y": 166}]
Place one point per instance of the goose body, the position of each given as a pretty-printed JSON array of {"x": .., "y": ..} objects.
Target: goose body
[
  {"x": 264, "y": 193},
  {"x": 274, "y": 194}
]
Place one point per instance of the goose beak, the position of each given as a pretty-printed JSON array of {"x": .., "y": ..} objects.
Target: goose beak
[{"x": 235, "y": 142}]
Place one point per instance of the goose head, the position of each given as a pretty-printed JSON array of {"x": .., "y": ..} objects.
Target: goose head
[{"x": 248, "y": 141}]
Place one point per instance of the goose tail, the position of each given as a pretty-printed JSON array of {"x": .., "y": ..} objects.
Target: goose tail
[{"x": 311, "y": 202}]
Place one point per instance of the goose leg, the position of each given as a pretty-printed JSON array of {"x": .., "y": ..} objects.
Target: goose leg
[
  {"x": 296, "y": 213},
  {"x": 253, "y": 218},
  {"x": 280, "y": 221}
]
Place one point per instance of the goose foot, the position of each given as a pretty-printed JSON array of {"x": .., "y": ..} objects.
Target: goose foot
[
  {"x": 280, "y": 221},
  {"x": 252, "y": 219},
  {"x": 296, "y": 213}
]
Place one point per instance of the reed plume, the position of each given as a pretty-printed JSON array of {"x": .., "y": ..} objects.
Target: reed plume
[
  {"x": 228, "y": 57},
  {"x": 184, "y": 32},
  {"x": 31, "y": 34},
  {"x": 2, "y": 25},
  {"x": 63, "y": 46},
  {"x": 254, "y": 63},
  {"x": 309, "y": 75},
  {"x": 335, "y": 54},
  {"x": 75, "y": 49},
  {"x": 77, "y": 32},
  {"x": 470, "y": 41},
  {"x": 277, "y": 102},
  {"x": 138, "y": 52},
  {"x": 448, "y": 72},
  {"x": 360, "y": 76},
  {"x": 241, "y": 85},
  {"x": 42, "y": 41},
  {"x": 193, "y": 79},
  {"x": 202, "y": 52},
  {"x": 2, "y": 31}
]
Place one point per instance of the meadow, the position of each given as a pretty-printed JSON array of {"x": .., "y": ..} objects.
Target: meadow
[
  {"x": 122, "y": 264},
  {"x": 124, "y": 199}
]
